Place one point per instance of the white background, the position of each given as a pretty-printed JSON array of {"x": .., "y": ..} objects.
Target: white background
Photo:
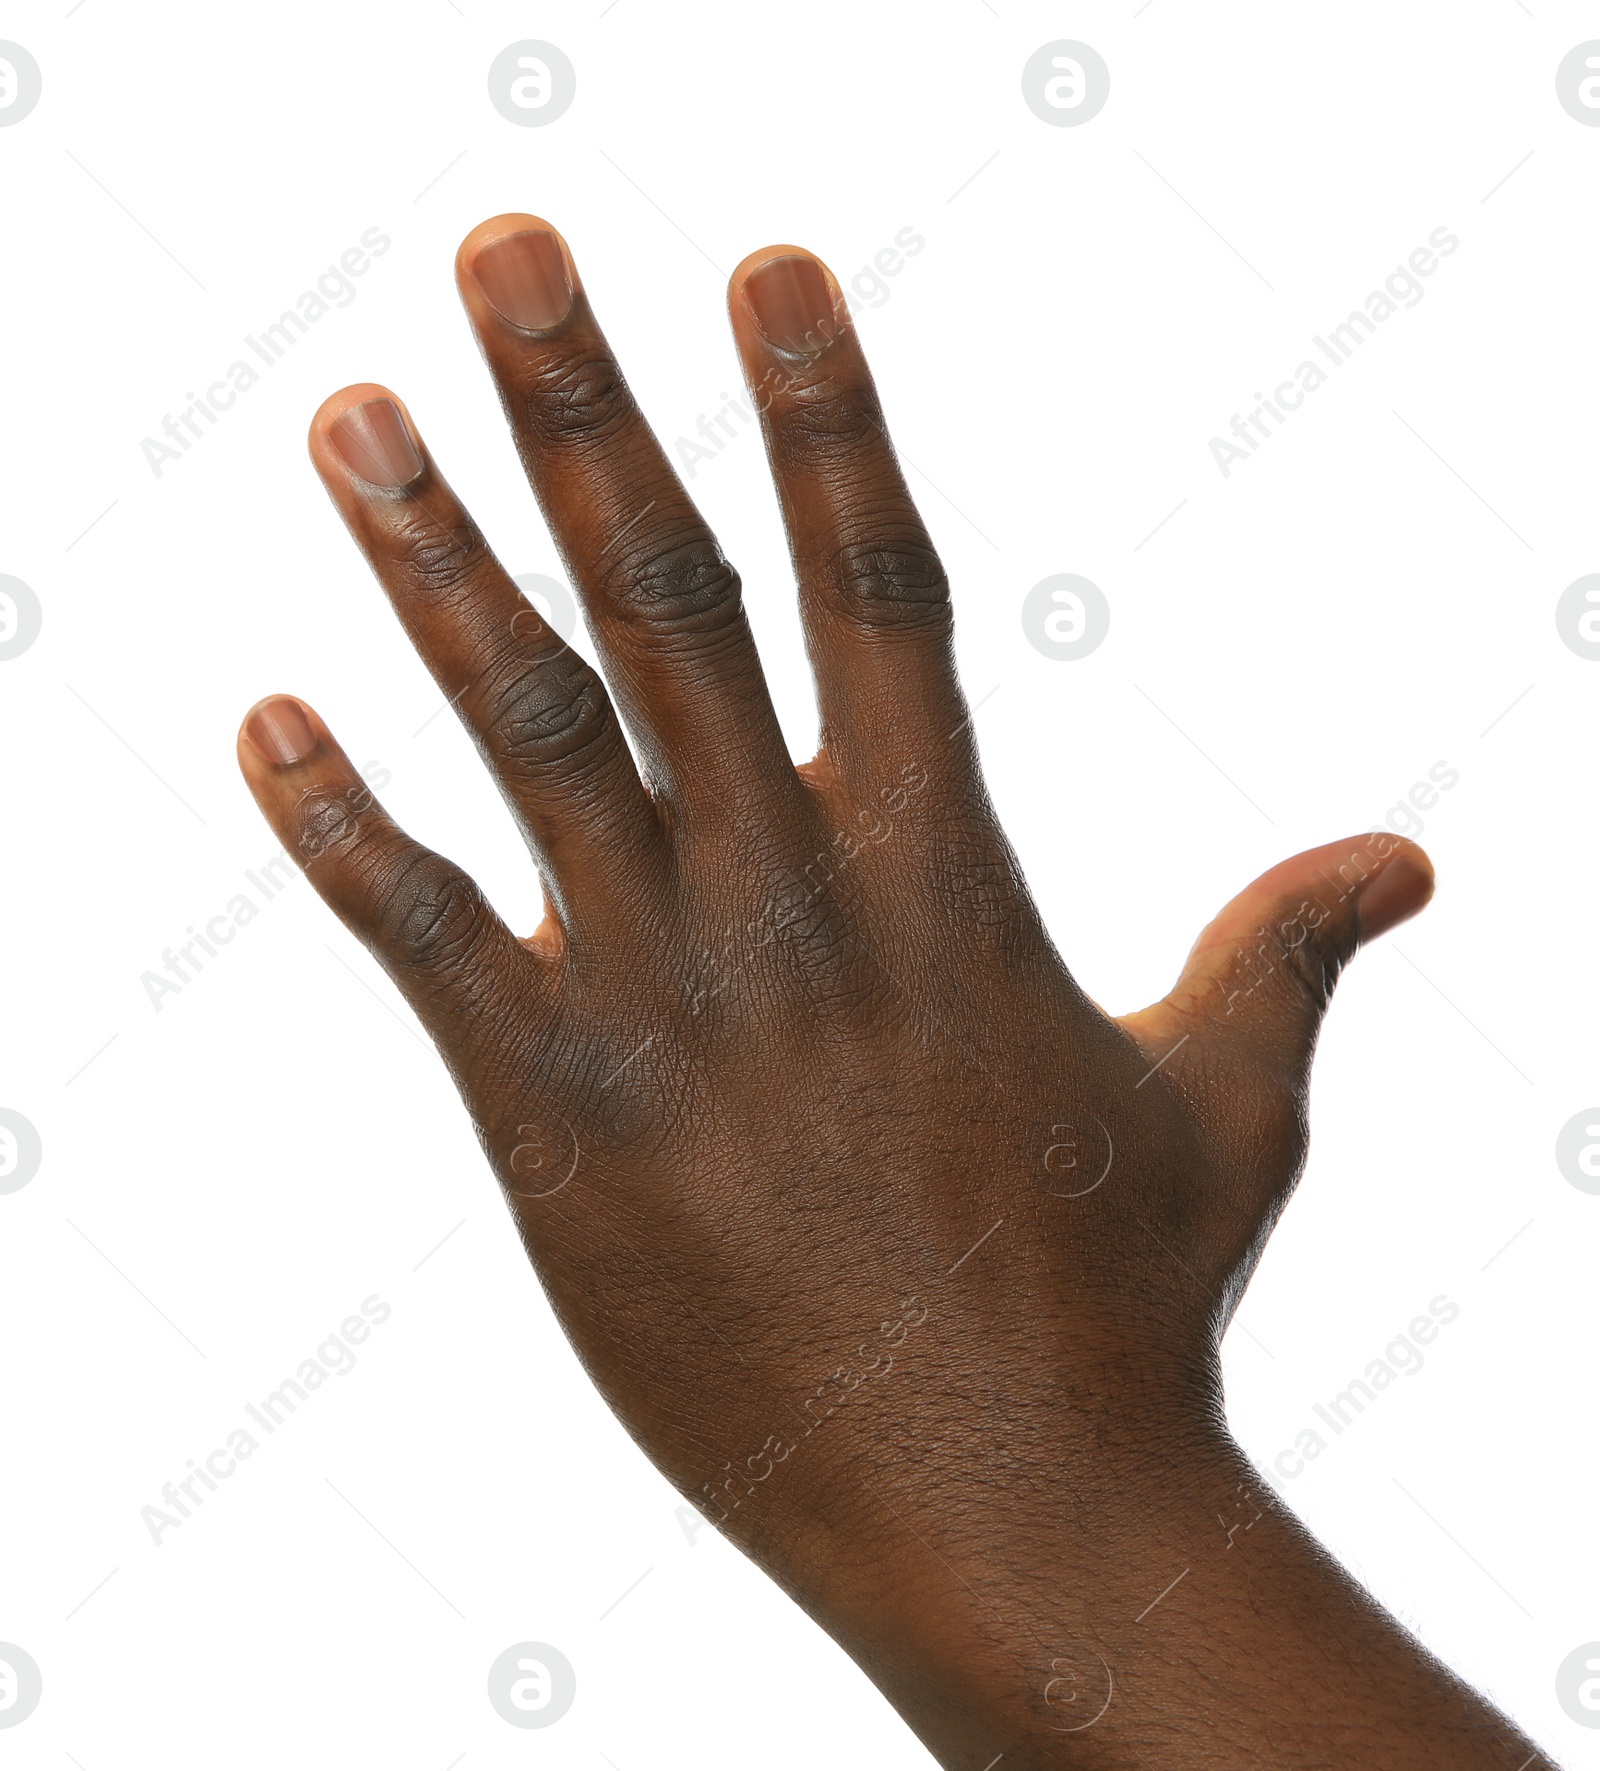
[{"x": 230, "y": 1176}]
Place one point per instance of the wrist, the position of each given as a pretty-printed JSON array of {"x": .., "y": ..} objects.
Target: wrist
[
  {"x": 1161, "y": 1608},
  {"x": 989, "y": 1578}
]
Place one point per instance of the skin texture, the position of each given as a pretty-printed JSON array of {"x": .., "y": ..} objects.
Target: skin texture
[{"x": 901, "y": 1258}]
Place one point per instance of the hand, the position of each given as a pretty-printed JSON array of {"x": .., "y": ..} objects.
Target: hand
[{"x": 900, "y": 1257}]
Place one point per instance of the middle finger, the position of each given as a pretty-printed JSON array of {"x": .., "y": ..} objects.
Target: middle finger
[{"x": 663, "y": 602}]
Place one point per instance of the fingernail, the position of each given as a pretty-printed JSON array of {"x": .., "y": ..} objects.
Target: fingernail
[
  {"x": 1400, "y": 891},
  {"x": 372, "y": 440},
  {"x": 792, "y": 304},
  {"x": 280, "y": 733},
  {"x": 524, "y": 278}
]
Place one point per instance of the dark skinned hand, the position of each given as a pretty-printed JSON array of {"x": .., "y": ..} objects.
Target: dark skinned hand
[{"x": 904, "y": 1261}]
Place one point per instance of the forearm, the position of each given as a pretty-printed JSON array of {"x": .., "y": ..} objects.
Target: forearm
[{"x": 1174, "y": 1614}]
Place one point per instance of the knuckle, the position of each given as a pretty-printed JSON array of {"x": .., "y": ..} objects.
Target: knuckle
[
  {"x": 828, "y": 417},
  {"x": 810, "y": 937},
  {"x": 327, "y": 821},
  {"x": 436, "y": 556},
  {"x": 680, "y": 585},
  {"x": 984, "y": 888},
  {"x": 581, "y": 399},
  {"x": 550, "y": 712},
  {"x": 893, "y": 584},
  {"x": 1310, "y": 970},
  {"x": 428, "y": 914},
  {"x": 812, "y": 941},
  {"x": 1288, "y": 967},
  {"x": 433, "y": 916}
]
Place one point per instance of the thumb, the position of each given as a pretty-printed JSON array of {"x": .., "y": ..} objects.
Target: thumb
[{"x": 1263, "y": 971}]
